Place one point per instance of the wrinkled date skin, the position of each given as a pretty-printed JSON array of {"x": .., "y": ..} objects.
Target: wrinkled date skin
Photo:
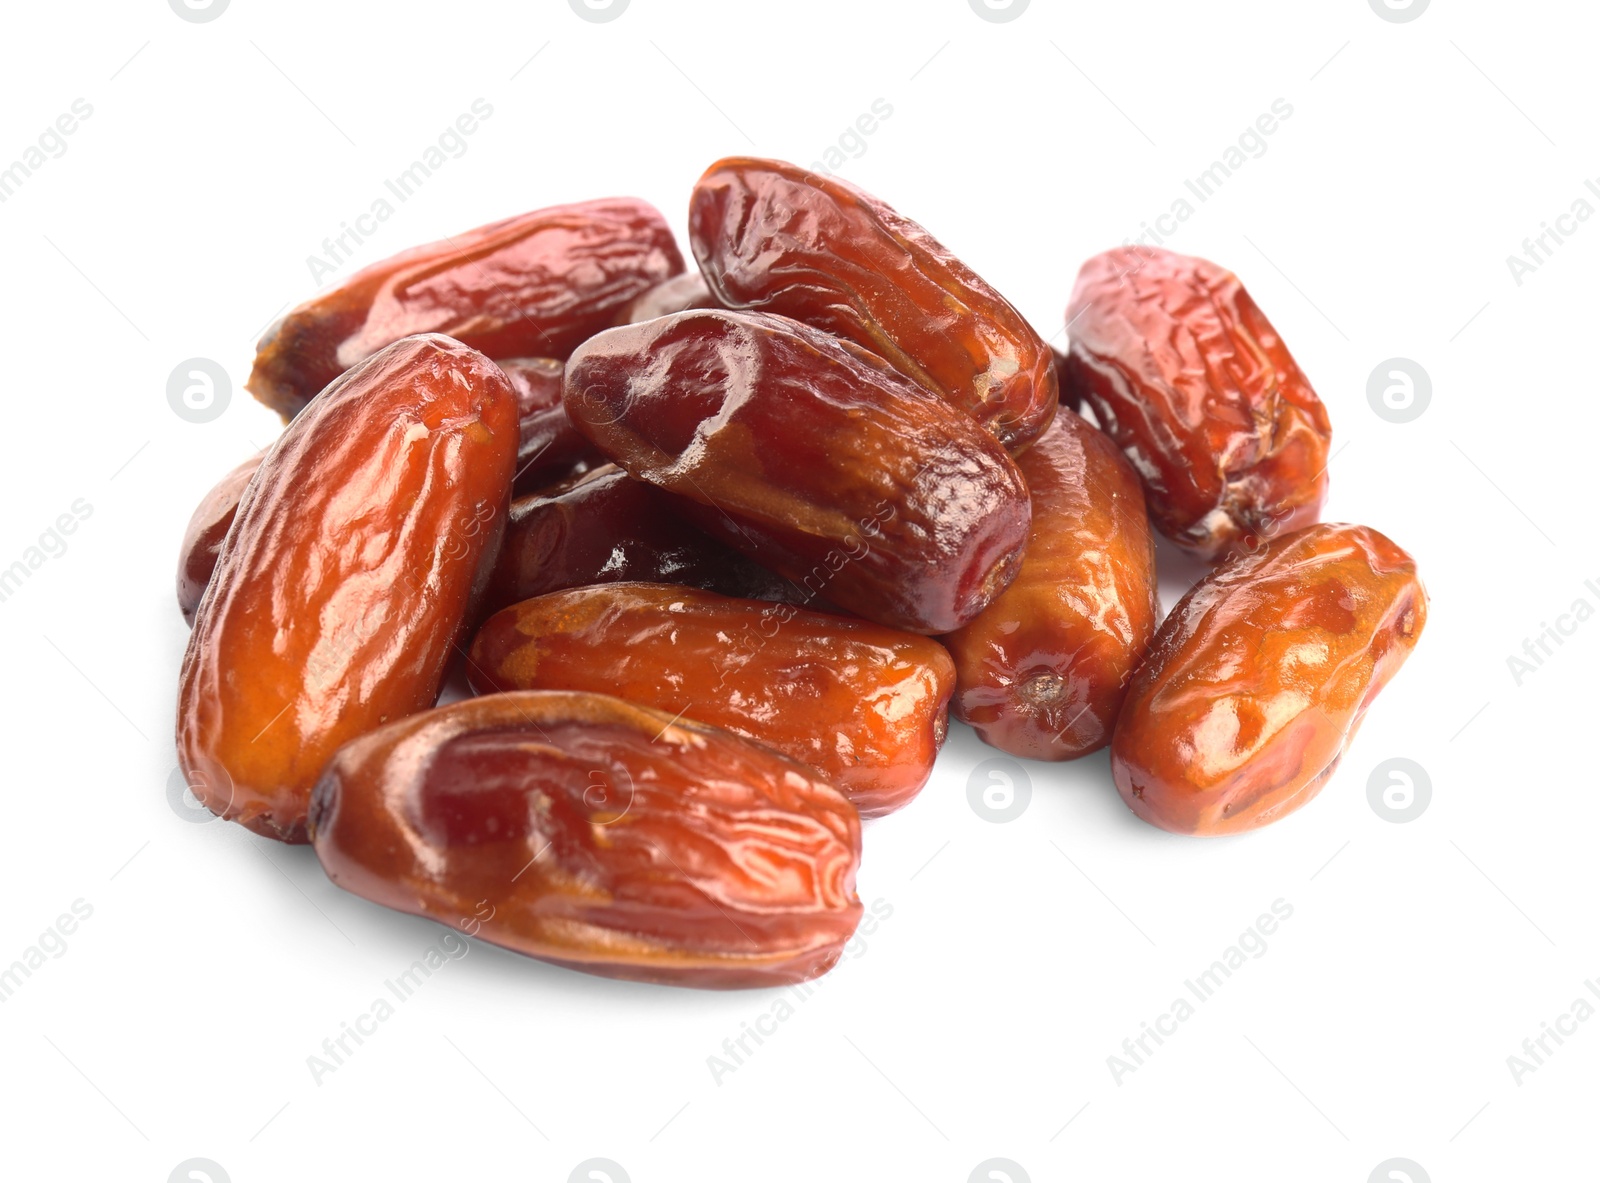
[
  {"x": 1260, "y": 677},
  {"x": 531, "y": 286},
  {"x": 1184, "y": 372},
  {"x": 551, "y": 450},
  {"x": 1042, "y": 672},
  {"x": 811, "y": 456},
  {"x": 202, "y": 540},
  {"x": 347, "y": 577},
  {"x": 606, "y": 527},
  {"x": 678, "y": 294},
  {"x": 775, "y": 237},
  {"x": 862, "y": 705},
  {"x": 598, "y": 835}
]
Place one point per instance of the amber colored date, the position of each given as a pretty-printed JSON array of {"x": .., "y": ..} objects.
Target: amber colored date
[
  {"x": 1184, "y": 372},
  {"x": 531, "y": 286},
  {"x": 202, "y": 540},
  {"x": 1260, "y": 677},
  {"x": 606, "y": 527},
  {"x": 678, "y": 294},
  {"x": 1041, "y": 673},
  {"x": 865, "y": 706},
  {"x": 347, "y": 577},
  {"x": 774, "y": 237},
  {"x": 813, "y": 457},
  {"x": 598, "y": 835},
  {"x": 551, "y": 449}
]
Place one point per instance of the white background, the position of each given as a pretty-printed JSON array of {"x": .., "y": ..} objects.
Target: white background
[{"x": 977, "y": 1020}]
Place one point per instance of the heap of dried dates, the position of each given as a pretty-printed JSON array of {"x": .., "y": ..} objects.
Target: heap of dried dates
[{"x": 718, "y": 551}]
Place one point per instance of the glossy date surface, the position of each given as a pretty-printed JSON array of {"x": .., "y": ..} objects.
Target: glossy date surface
[
  {"x": 598, "y": 835},
  {"x": 774, "y": 237},
  {"x": 678, "y": 294},
  {"x": 862, "y": 705},
  {"x": 606, "y": 527},
  {"x": 1191, "y": 380},
  {"x": 811, "y": 456},
  {"x": 1260, "y": 677},
  {"x": 550, "y": 448},
  {"x": 1042, "y": 671},
  {"x": 347, "y": 577},
  {"x": 534, "y": 285},
  {"x": 202, "y": 539}
]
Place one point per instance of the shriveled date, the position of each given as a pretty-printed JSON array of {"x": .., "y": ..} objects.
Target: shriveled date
[
  {"x": 775, "y": 237},
  {"x": 598, "y": 835},
  {"x": 1189, "y": 377},
  {"x": 530, "y": 286},
  {"x": 1260, "y": 677},
  {"x": 861, "y": 704},
  {"x": 347, "y": 576},
  {"x": 1042, "y": 671},
  {"x": 202, "y": 540},
  {"x": 606, "y": 527},
  {"x": 811, "y": 456}
]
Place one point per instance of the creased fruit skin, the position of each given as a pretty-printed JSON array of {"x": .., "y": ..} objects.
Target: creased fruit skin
[
  {"x": 865, "y": 706},
  {"x": 598, "y": 835},
  {"x": 530, "y": 286},
  {"x": 1041, "y": 673},
  {"x": 347, "y": 577},
  {"x": 202, "y": 540},
  {"x": 1260, "y": 677},
  {"x": 551, "y": 449},
  {"x": 1184, "y": 372},
  {"x": 678, "y": 294},
  {"x": 774, "y": 237},
  {"x": 606, "y": 527},
  {"x": 811, "y": 456}
]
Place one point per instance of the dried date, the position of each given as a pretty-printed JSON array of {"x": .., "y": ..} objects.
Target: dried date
[
  {"x": 202, "y": 540},
  {"x": 598, "y": 835},
  {"x": 606, "y": 527},
  {"x": 534, "y": 285},
  {"x": 774, "y": 237},
  {"x": 862, "y": 705},
  {"x": 1041, "y": 673},
  {"x": 678, "y": 294},
  {"x": 813, "y": 457},
  {"x": 551, "y": 450},
  {"x": 347, "y": 577},
  {"x": 1189, "y": 378},
  {"x": 1260, "y": 677}
]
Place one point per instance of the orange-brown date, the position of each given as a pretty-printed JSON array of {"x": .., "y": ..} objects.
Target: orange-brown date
[
  {"x": 598, "y": 835},
  {"x": 530, "y": 286},
  {"x": 774, "y": 237},
  {"x": 678, "y": 294},
  {"x": 862, "y": 705},
  {"x": 1041, "y": 673},
  {"x": 1188, "y": 376},
  {"x": 551, "y": 449},
  {"x": 202, "y": 540},
  {"x": 812, "y": 456},
  {"x": 606, "y": 527},
  {"x": 1259, "y": 678},
  {"x": 347, "y": 577}
]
